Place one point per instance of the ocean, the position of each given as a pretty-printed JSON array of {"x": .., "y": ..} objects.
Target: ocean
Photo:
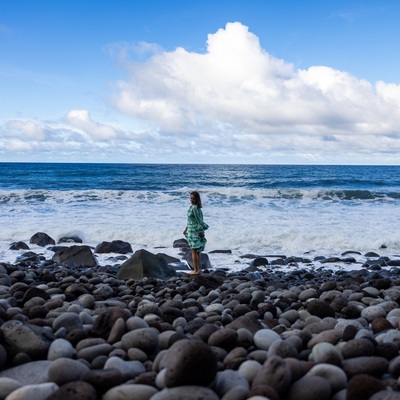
[{"x": 289, "y": 210}]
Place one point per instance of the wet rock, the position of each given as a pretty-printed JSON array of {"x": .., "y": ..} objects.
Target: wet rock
[
  {"x": 75, "y": 257},
  {"x": 42, "y": 239}
]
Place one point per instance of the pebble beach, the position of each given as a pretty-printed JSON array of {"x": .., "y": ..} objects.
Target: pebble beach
[{"x": 286, "y": 329}]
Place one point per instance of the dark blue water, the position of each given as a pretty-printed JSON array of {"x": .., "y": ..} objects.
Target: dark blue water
[{"x": 364, "y": 182}]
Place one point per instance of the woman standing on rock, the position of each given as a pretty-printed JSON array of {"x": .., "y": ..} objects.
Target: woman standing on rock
[{"x": 194, "y": 231}]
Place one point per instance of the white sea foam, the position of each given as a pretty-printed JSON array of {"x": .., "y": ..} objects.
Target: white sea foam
[{"x": 260, "y": 221}]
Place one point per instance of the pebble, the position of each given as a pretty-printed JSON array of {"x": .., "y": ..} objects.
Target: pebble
[
  {"x": 40, "y": 391},
  {"x": 276, "y": 373},
  {"x": 130, "y": 391},
  {"x": 265, "y": 337},
  {"x": 145, "y": 339},
  {"x": 77, "y": 390},
  {"x": 185, "y": 393},
  {"x": 228, "y": 380},
  {"x": 128, "y": 369},
  {"x": 65, "y": 370},
  {"x": 60, "y": 348},
  {"x": 332, "y": 373},
  {"x": 310, "y": 388},
  {"x": 8, "y": 385},
  {"x": 190, "y": 362},
  {"x": 30, "y": 339},
  {"x": 326, "y": 353}
]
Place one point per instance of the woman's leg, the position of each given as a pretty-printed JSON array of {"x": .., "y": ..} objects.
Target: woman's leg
[{"x": 196, "y": 261}]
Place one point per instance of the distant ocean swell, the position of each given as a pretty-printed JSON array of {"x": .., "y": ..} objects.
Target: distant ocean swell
[{"x": 221, "y": 195}]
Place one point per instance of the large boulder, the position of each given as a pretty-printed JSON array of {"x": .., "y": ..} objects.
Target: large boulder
[
  {"x": 19, "y": 246},
  {"x": 42, "y": 239},
  {"x": 144, "y": 264},
  {"x": 70, "y": 239},
  {"x": 75, "y": 256},
  {"x": 204, "y": 262},
  {"x": 180, "y": 244},
  {"x": 116, "y": 246}
]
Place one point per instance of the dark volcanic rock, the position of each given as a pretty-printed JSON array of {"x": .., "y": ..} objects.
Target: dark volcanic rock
[
  {"x": 42, "y": 239},
  {"x": 144, "y": 264},
  {"x": 116, "y": 246},
  {"x": 75, "y": 256},
  {"x": 19, "y": 246}
]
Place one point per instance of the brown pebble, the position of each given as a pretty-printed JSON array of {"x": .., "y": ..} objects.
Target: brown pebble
[
  {"x": 320, "y": 309},
  {"x": 361, "y": 387},
  {"x": 380, "y": 324},
  {"x": 225, "y": 338},
  {"x": 375, "y": 366},
  {"x": 274, "y": 372},
  {"x": 311, "y": 387},
  {"x": 357, "y": 348},
  {"x": 190, "y": 362},
  {"x": 104, "y": 379},
  {"x": 77, "y": 390}
]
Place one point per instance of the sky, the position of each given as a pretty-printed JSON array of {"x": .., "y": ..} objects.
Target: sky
[{"x": 205, "y": 81}]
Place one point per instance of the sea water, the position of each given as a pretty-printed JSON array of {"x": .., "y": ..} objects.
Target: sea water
[{"x": 287, "y": 210}]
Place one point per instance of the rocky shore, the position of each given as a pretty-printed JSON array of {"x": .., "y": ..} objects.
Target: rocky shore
[{"x": 70, "y": 331}]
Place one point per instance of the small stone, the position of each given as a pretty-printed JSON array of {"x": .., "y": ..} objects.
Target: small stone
[
  {"x": 228, "y": 380},
  {"x": 249, "y": 369},
  {"x": 190, "y": 362},
  {"x": 77, "y": 390},
  {"x": 264, "y": 338},
  {"x": 65, "y": 370},
  {"x": 329, "y": 336},
  {"x": 326, "y": 353},
  {"x": 104, "y": 379},
  {"x": 91, "y": 352},
  {"x": 40, "y": 391},
  {"x": 225, "y": 338},
  {"x": 372, "y": 312},
  {"x": 130, "y": 391},
  {"x": 333, "y": 374},
  {"x": 274, "y": 372},
  {"x": 145, "y": 339},
  {"x": 26, "y": 338},
  {"x": 60, "y": 348},
  {"x": 235, "y": 358},
  {"x": 309, "y": 388},
  {"x": 184, "y": 393},
  {"x": 363, "y": 387},
  {"x": 67, "y": 320},
  {"x": 8, "y": 385},
  {"x": 380, "y": 324},
  {"x": 128, "y": 369},
  {"x": 31, "y": 373},
  {"x": 320, "y": 309},
  {"x": 375, "y": 366},
  {"x": 358, "y": 348}
]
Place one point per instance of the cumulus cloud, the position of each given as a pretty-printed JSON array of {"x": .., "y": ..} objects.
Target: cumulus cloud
[
  {"x": 240, "y": 93},
  {"x": 81, "y": 119}
]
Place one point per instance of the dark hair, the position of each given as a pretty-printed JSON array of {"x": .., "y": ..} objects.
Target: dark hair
[{"x": 197, "y": 198}]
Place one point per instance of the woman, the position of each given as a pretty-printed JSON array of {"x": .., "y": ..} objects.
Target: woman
[{"x": 194, "y": 231}]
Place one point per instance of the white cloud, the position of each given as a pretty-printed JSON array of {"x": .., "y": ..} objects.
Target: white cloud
[
  {"x": 26, "y": 129},
  {"x": 81, "y": 119},
  {"x": 238, "y": 87}
]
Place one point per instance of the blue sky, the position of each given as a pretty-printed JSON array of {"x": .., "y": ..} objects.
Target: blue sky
[{"x": 309, "y": 82}]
